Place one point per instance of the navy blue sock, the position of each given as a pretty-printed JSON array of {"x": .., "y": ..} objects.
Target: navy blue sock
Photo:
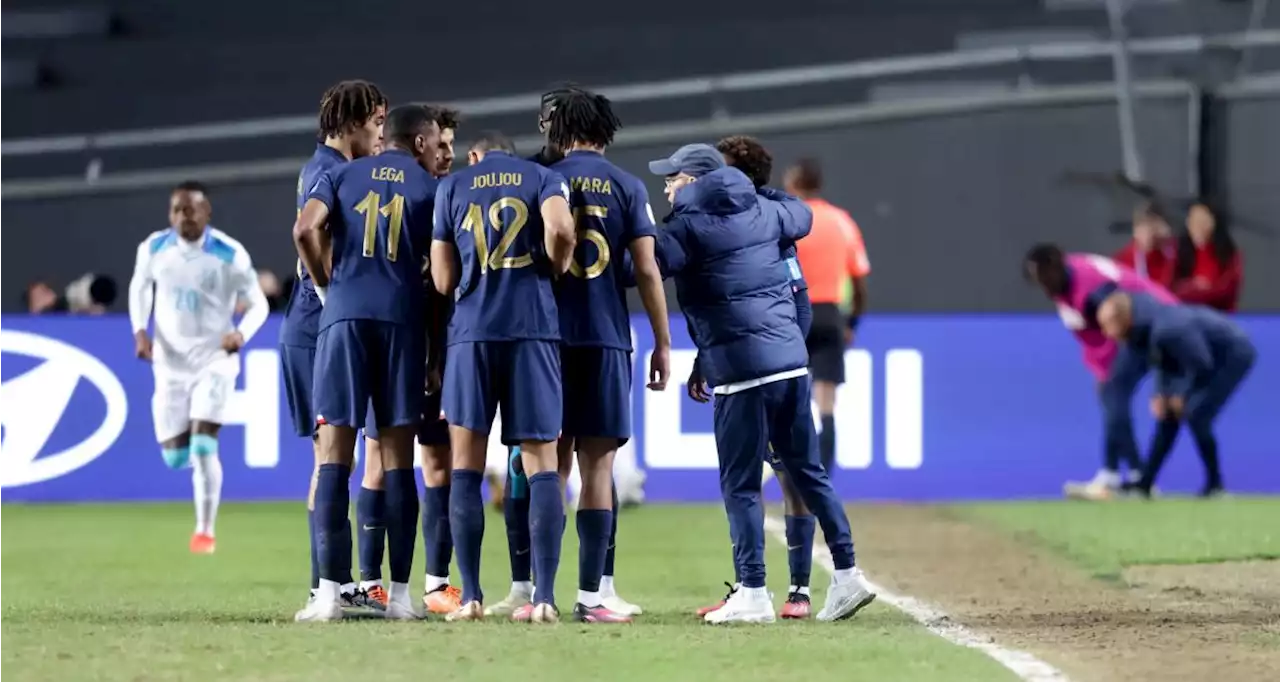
[
  {"x": 593, "y": 541},
  {"x": 800, "y": 531},
  {"x": 613, "y": 535},
  {"x": 435, "y": 531},
  {"x": 546, "y": 529},
  {"x": 466, "y": 521},
  {"x": 515, "y": 511},
  {"x": 402, "y": 521},
  {"x": 333, "y": 535},
  {"x": 827, "y": 444},
  {"x": 371, "y": 510},
  {"x": 315, "y": 560}
]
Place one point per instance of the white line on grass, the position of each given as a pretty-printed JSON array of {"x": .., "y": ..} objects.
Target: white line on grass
[{"x": 937, "y": 621}]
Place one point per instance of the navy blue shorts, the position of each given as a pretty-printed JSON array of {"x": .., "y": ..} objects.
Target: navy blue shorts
[
  {"x": 597, "y": 392},
  {"x": 432, "y": 428},
  {"x": 298, "y": 364},
  {"x": 521, "y": 377},
  {"x": 369, "y": 365}
]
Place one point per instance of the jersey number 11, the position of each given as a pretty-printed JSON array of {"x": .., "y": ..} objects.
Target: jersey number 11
[{"x": 393, "y": 212}]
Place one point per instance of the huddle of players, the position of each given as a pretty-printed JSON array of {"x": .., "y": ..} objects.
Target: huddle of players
[{"x": 537, "y": 326}]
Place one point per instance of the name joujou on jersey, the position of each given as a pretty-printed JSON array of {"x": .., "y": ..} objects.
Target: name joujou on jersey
[{"x": 497, "y": 180}]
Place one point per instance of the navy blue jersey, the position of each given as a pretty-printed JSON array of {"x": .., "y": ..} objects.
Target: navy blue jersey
[
  {"x": 611, "y": 209},
  {"x": 492, "y": 213},
  {"x": 380, "y": 210},
  {"x": 302, "y": 314}
]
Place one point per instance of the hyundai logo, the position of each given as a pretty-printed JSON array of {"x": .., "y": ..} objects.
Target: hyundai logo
[{"x": 33, "y": 405}]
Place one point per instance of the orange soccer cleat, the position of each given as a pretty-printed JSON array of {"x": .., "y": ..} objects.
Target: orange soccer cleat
[
  {"x": 797, "y": 606},
  {"x": 376, "y": 594},
  {"x": 202, "y": 544},
  {"x": 443, "y": 600}
]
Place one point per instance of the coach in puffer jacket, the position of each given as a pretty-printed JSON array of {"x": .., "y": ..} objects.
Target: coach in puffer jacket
[{"x": 720, "y": 243}]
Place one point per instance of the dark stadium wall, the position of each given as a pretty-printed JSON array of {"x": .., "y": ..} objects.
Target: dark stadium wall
[{"x": 947, "y": 205}]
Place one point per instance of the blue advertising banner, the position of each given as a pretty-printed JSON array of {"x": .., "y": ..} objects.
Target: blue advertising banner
[{"x": 935, "y": 408}]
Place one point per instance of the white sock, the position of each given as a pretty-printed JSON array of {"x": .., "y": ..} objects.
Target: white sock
[
  {"x": 399, "y": 593},
  {"x": 328, "y": 590},
  {"x": 206, "y": 483},
  {"x": 802, "y": 590},
  {"x": 435, "y": 582},
  {"x": 606, "y": 586},
  {"x": 755, "y": 593},
  {"x": 348, "y": 588},
  {"x": 845, "y": 575},
  {"x": 524, "y": 587},
  {"x": 366, "y": 584},
  {"x": 589, "y": 599}
]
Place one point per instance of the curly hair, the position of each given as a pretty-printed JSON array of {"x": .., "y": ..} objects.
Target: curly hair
[
  {"x": 582, "y": 116},
  {"x": 749, "y": 156},
  {"x": 348, "y": 104}
]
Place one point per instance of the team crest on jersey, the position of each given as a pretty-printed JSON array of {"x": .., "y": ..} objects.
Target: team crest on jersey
[{"x": 209, "y": 282}]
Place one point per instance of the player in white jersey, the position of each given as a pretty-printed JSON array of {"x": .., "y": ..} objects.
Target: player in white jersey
[{"x": 193, "y": 275}]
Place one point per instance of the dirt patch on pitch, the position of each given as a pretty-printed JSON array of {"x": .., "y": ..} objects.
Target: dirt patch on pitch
[{"x": 1207, "y": 622}]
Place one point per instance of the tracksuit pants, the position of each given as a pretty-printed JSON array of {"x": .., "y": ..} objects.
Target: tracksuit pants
[{"x": 1116, "y": 394}]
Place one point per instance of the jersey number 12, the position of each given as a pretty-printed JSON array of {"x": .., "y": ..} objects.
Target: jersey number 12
[{"x": 393, "y": 212}]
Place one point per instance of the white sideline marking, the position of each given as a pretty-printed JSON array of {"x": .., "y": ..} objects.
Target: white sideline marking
[{"x": 939, "y": 622}]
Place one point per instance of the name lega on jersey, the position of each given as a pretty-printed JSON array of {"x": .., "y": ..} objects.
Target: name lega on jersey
[{"x": 387, "y": 174}]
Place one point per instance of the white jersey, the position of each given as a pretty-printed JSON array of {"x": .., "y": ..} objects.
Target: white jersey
[{"x": 194, "y": 287}]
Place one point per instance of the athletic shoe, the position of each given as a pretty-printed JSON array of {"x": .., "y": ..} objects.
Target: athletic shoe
[
  {"x": 443, "y": 599},
  {"x": 598, "y": 614},
  {"x": 619, "y": 605},
  {"x": 733, "y": 589},
  {"x": 740, "y": 608},
  {"x": 524, "y": 614},
  {"x": 545, "y": 614},
  {"x": 372, "y": 598},
  {"x": 319, "y": 611},
  {"x": 471, "y": 610},
  {"x": 402, "y": 610},
  {"x": 508, "y": 606},
  {"x": 847, "y": 599},
  {"x": 1210, "y": 491},
  {"x": 797, "y": 606},
  {"x": 202, "y": 544}
]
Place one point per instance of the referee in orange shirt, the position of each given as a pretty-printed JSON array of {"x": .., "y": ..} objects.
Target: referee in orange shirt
[{"x": 832, "y": 256}]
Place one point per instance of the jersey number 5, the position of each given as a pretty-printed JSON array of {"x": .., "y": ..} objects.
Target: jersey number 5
[
  {"x": 393, "y": 212},
  {"x": 498, "y": 258},
  {"x": 581, "y": 216}
]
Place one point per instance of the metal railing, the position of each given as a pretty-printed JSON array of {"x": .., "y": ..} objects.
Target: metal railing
[{"x": 676, "y": 88}]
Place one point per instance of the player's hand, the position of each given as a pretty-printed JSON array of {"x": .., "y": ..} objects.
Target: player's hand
[
  {"x": 659, "y": 368},
  {"x": 1176, "y": 404},
  {"x": 1158, "y": 406},
  {"x": 142, "y": 346},
  {"x": 697, "y": 388},
  {"x": 233, "y": 342}
]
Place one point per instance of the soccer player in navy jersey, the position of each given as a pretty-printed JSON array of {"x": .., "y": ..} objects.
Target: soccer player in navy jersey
[
  {"x": 351, "y": 119},
  {"x": 503, "y": 231},
  {"x": 372, "y": 217},
  {"x": 613, "y": 215}
]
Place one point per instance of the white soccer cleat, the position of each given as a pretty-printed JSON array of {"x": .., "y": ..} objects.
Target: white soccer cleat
[
  {"x": 1103, "y": 486},
  {"x": 743, "y": 608},
  {"x": 508, "y": 606},
  {"x": 471, "y": 610},
  {"x": 845, "y": 600},
  {"x": 402, "y": 610},
  {"x": 317, "y": 611},
  {"x": 545, "y": 614},
  {"x": 619, "y": 605}
]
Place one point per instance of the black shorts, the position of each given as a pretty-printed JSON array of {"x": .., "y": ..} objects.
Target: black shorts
[{"x": 826, "y": 343}]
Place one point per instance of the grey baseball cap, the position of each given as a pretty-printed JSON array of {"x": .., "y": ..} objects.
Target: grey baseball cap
[{"x": 692, "y": 159}]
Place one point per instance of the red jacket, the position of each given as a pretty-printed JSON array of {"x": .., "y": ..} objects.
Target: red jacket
[
  {"x": 1212, "y": 283},
  {"x": 1159, "y": 261}
]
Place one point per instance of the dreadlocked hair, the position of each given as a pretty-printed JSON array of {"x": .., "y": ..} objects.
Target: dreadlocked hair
[
  {"x": 348, "y": 104},
  {"x": 749, "y": 156},
  {"x": 581, "y": 116}
]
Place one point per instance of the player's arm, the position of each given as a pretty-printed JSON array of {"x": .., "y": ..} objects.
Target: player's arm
[
  {"x": 794, "y": 217},
  {"x": 559, "y": 233},
  {"x": 248, "y": 289},
  {"x": 642, "y": 233},
  {"x": 141, "y": 300},
  {"x": 445, "y": 268},
  {"x": 310, "y": 236},
  {"x": 1188, "y": 360}
]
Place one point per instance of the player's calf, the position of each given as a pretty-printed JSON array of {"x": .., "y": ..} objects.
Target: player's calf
[
  {"x": 371, "y": 509},
  {"x": 206, "y": 483},
  {"x": 401, "y": 517},
  {"x": 466, "y": 514},
  {"x": 438, "y": 595},
  {"x": 800, "y": 527},
  {"x": 595, "y": 523},
  {"x": 546, "y": 516}
]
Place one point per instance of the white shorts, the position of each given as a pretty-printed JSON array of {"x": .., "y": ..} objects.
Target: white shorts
[{"x": 184, "y": 397}]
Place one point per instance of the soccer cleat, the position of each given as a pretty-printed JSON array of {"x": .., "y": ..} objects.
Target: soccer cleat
[
  {"x": 1091, "y": 491},
  {"x": 397, "y": 610},
  {"x": 619, "y": 605},
  {"x": 545, "y": 614},
  {"x": 524, "y": 614},
  {"x": 740, "y": 608},
  {"x": 797, "y": 606},
  {"x": 847, "y": 599},
  {"x": 471, "y": 610},
  {"x": 319, "y": 611},
  {"x": 202, "y": 544},
  {"x": 733, "y": 589},
  {"x": 598, "y": 614},
  {"x": 1210, "y": 491},
  {"x": 443, "y": 599},
  {"x": 508, "y": 606},
  {"x": 373, "y": 598}
]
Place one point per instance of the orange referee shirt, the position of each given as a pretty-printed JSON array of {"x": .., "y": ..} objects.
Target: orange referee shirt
[{"x": 832, "y": 253}]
